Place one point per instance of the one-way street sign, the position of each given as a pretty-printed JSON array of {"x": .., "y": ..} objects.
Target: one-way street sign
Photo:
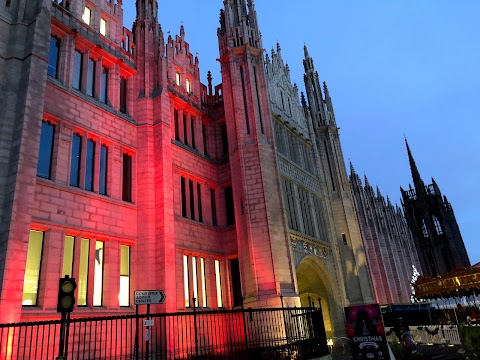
[{"x": 148, "y": 297}]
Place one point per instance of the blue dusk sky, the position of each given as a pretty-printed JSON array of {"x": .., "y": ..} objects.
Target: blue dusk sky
[{"x": 394, "y": 68}]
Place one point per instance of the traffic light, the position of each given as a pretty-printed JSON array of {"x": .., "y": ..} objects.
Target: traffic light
[{"x": 66, "y": 298}]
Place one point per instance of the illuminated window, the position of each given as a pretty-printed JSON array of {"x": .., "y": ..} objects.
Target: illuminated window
[
  {"x": 44, "y": 165},
  {"x": 203, "y": 284},
  {"x": 438, "y": 226},
  {"x": 424, "y": 229},
  {"x": 189, "y": 87},
  {"x": 104, "y": 85},
  {"x": 103, "y": 27},
  {"x": 186, "y": 284},
  {"x": 195, "y": 281},
  {"x": 53, "y": 57},
  {"x": 218, "y": 284},
  {"x": 77, "y": 69},
  {"x": 124, "y": 295},
  {"x": 86, "y": 15},
  {"x": 32, "y": 269},
  {"x": 90, "y": 165},
  {"x": 83, "y": 272},
  {"x": 98, "y": 278},
  {"x": 102, "y": 185},
  {"x": 75, "y": 160},
  {"x": 178, "y": 79},
  {"x": 68, "y": 249}
]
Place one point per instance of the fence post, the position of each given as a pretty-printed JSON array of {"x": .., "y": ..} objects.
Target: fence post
[
  {"x": 61, "y": 346},
  {"x": 285, "y": 326},
  {"x": 137, "y": 355},
  {"x": 195, "y": 325}
]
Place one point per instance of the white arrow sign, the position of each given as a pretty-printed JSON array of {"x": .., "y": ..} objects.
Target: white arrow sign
[{"x": 147, "y": 297}]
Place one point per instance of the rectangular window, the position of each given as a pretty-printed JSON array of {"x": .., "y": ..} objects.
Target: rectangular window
[
  {"x": 103, "y": 27},
  {"x": 177, "y": 79},
  {"x": 83, "y": 272},
  {"x": 213, "y": 204},
  {"x": 224, "y": 140},
  {"x": 75, "y": 160},
  {"x": 204, "y": 283},
  {"x": 124, "y": 295},
  {"x": 123, "y": 95},
  {"x": 192, "y": 127},
  {"x": 45, "y": 152},
  {"x": 199, "y": 202},
  {"x": 127, "y": 178},
  {"x": 185, "y": 281},
  {"x": 236, "y": 283},
  {"x": 77, "y": 70},
  {"x": 175, "y": 119},
  {"x": 185, "y": 132},
  {"x": 102, "y": 184},
  {"x": 189, "y": 88},
  {"x": 204, "y": 135},
  {"x": 98, "y": 277},
  {"x": 184, "y": 197},
  {"x": 218, "y": 283},
  {"x": 91, "y": 77},
  {"x": 192, "y": 200},
  {"x": 229, "y": 206},
  {"x": 53, "y": 57},
  {"x": 68, "y": 249},
  {"x": 86, "y": 15},
  {"x": 104, "y": 85},
  {"x": 32, "y": 269},
  {"x": 195, "y": 281},
  {"x": 90, "y": 165}
]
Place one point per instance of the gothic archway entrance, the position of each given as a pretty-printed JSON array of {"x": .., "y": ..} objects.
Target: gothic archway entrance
[{"x": 313, "y": 285}]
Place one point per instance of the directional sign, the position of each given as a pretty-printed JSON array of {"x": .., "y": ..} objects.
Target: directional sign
[{"x": 148, "y": 297}]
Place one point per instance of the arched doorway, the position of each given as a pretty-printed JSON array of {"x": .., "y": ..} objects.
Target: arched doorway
[{"x": 313, "y": 285}]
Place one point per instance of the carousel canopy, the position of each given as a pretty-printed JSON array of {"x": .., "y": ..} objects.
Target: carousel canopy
[{"x": 464, "y": 281}]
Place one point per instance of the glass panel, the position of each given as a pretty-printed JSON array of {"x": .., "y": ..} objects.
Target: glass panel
[
  {"x": 188, "y": 86},
  {"x": 124, "y": 296},
  {"x": 184, "y": 197},
  {"x": 192, "y": 200},
  {"x": 218, "y": 284},
  {"x": 89, "y": 168},
  {"x": 91, "y": 78},
  {"x": 53, "y": 56},
  {"x": 127, "y": 178},
  {"x": 98, "y": 279},
  {"x": 46, "y": 150},
  {"x": 75, "y": 162},
  {"x": 86, "y": 16},
  {"x": 204, "y": 284},
  {"x": 194, "y": 277},
  {"x": 103, "y": 27},
  {"x": 185, "y": 281},
  {"x": 32, "y": 269},
  {"x": 214, "y": 207},
  {"x": 104, "y": 85},
  {"x": 103, "y": 170},
  {"x": 177, "y": 79},
  {"x": 83, "y": 272},
  {"x": 199, "y": 202},
  {"x": 123, "y": 95},
  {"x": 68, "y": 256},
  {"x": 77, "y": 69}
]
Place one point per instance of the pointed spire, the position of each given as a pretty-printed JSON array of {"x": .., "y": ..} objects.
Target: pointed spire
[
  {"x": 379, "y": 193},
  {"x": 352, "y": 169},
  {"x": 417, "y": 180},
  {"x": 367, "y": 183},
  {"x": 305, "y": 51},
  {"x": 147, "y": 10},
  {"x": 182, "y": 31}
]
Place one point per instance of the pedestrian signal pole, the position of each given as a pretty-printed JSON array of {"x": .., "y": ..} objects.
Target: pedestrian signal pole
[{"x": 65, "y": 304}]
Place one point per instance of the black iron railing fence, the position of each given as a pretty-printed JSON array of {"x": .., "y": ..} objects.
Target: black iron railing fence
[{"x": 296, "y": 333}]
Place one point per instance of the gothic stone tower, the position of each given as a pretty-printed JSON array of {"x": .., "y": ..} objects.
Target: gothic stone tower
[
  {"x": 347, "y": 231},
  {"x": 266, "y": 267},
  {"x": 430, "y": 217}
]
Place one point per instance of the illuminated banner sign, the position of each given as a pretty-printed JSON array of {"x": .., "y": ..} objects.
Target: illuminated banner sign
[{"x": 366, "y": 332}]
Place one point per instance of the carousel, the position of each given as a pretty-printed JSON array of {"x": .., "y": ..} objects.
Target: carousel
[{"x": 463, "y": 286}]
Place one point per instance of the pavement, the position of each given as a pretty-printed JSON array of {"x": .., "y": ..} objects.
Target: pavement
[{"x": 433, "y": 352}]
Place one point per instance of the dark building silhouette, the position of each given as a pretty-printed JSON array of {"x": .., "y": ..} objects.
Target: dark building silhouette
[{"x": 435, "y": 230}]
